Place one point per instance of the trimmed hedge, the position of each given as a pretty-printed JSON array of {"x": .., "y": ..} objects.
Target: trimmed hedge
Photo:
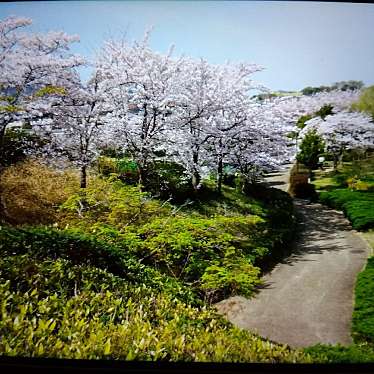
[
  {"x": 358, "y": 206},
  {"x": 363, "y": 314}
]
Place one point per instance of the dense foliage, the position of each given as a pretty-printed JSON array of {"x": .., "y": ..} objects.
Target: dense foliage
[
  {"x": 363, "y": 317},
  {"x": 68, "y": 310},
  {"x": 311, "y": 148}
]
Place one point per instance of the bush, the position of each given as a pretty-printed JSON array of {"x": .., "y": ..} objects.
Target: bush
[
  {"x": 231, "y": 277},
  {"x": 358, "y": 206},
  {"x": 355, "y": 353},
  {"x": 106, "y": 318},
  {"x": 363, "y": 314},
  {"x": 46, "y": 243},
  {"x": 305, "y": 191},
  {"x": 108, "y": 200},
  {"x": 311, "y": 147},
  {"x": 184, "y": 247},
  {"x": 169, "y": 180},
  {"x": 32, "y": 192}
]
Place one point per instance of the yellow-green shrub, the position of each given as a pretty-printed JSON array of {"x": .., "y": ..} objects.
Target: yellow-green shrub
[
  {"x": 108, "y": 200},
  {"x": 32, "y": 191},
  {"x": 111, "y": 319}
]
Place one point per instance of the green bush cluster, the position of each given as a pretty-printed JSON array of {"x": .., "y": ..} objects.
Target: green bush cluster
[
  {"x": 123, "y": 275},
  {"x": 358, "y": 206},
  {"x": 162, "y": 179},
  {"x": 187, "y": 247},
  {"x": 47, "y": 243},
  {"x": 182, "y": 242},
  {"x": 110, "y": 201},
  {"x": 354, "y": 353},
  {"x": 105, "y": 317},
  {"x": 363, "y": 314}
]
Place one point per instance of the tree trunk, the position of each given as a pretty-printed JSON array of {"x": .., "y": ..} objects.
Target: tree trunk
[
  {"x": 219, "y": 174},
  {"x": 195, "y": 176},
  {"x": 141, "y": 178},
  {"x": 84, "y": 176},
  {"x": 2, "y": 139}
]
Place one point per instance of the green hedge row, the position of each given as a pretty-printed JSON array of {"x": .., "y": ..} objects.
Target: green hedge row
[
  {"x": 358, "y": 206},
  {"x": 363, "y": 315}
]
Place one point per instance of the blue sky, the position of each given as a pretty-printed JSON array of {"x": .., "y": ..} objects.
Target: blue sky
[{"x": 298, "y": 43}]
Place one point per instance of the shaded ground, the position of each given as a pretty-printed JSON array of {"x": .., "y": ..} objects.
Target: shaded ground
[
  {"x": 307, "y": 298},
  {"x": 280, "y": 179}
]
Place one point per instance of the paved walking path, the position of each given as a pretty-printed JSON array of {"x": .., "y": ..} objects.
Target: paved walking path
[{"x": 307, "y": 298}]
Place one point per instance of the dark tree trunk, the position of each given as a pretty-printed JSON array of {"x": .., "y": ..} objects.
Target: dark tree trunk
[
  {"x": 335, "y": 161},
  {"x": 84, "y": 176},
  {"x": 2, "y": 142},
  {"x": 219, "y": 173},
  {"x": 195, "y": 176}
]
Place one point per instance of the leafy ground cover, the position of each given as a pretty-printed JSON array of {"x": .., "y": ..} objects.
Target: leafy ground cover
[
  {"x": 67, "y": 310},
  {"x": 117, "y": 273}
]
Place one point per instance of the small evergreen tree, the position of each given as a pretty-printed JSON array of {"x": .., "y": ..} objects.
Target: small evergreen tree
[{"x": 310, "y": 149}]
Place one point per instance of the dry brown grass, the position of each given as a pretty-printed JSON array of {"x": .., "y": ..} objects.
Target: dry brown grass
[{"x": 32, "y": 192}]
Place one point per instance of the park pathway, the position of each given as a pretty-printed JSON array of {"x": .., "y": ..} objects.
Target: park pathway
[{"x": 308, "y": 297}]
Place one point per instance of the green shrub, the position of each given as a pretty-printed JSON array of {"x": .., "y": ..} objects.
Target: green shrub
[
  {"x": 354, "y": 353},
  {"x": 311, "y": 147},
  {"x": 169, "y": 180},
  {"x": 46, "y": 243},
  {"x": 104, "y": 317},
  {"x": 363, "y": 314},
  {"x": 230, "y": 277},
  {"x": 185, "y": 246},
  {"x": 358, "y": 206},
  {"x": 113, "y": 202}
]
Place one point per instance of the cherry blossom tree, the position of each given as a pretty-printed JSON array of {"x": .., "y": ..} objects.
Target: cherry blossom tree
[
  {"x": 343, "y": 131},
  {"x": 31, "y": 66},
  {"x": 76, "y": 128},
  {"x": 213, "y": 105},
  {"x": 142, "y": 87}
]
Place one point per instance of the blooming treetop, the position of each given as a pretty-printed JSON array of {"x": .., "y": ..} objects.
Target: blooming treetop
[
  {"x": 344, "y": 131},
  {"x": 31, "y": 66}
]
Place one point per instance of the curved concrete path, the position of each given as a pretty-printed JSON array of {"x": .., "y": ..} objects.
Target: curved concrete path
[{"x": 307, "y": 298}]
